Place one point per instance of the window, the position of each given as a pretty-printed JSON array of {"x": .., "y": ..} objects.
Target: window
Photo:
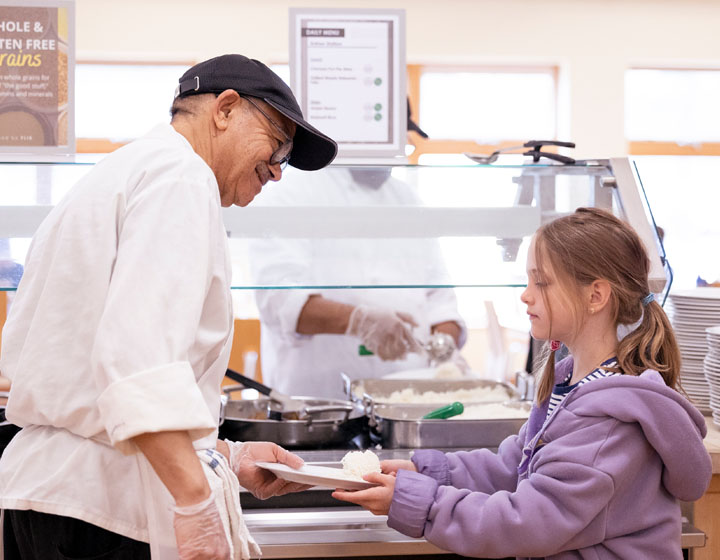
[
  {"x": 119, "y": 102},
  {"x": 487, "y": 106},
  {"x": 480, "y": 109},
  {"x": 671, "y": 111}
]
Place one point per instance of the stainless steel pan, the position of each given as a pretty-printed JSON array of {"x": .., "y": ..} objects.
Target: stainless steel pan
[
  {"x": 328, "y": 423},
  {"x": 378, "y": 390},
  {"x": 403, "y": 427}
]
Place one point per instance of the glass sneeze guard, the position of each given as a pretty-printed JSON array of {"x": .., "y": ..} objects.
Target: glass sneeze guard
[{"x": 463, "y": 226}]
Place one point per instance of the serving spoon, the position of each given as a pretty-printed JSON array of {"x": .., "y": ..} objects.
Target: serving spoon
[{"x": 438, "y": 349}]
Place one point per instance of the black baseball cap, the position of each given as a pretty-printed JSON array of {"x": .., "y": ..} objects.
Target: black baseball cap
[{"x": 311, "y": 148}]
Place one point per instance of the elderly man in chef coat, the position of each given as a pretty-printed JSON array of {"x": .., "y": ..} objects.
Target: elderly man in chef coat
[
  {"x": 310, "y": 336},
  {"x": 120, "y": 335}
]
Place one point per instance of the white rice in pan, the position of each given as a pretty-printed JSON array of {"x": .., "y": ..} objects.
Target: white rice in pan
[{"x": 474, "y": 395}]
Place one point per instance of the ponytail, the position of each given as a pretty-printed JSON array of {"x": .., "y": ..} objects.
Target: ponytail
[
  {"x": 547, "y": 377},
  {"x": 652, "y": 346}
]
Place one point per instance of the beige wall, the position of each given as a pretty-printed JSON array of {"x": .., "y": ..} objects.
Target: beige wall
[{"x": 593, "y": 41}]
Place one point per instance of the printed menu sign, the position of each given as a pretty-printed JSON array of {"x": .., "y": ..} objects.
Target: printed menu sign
[
  {"x": 35, "y": 70},
  {"x": 347, "y": 70}
]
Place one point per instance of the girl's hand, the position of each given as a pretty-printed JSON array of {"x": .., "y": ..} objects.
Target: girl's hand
[
  {"x": 376, "y": 499},
  {"x": 394, "y": 465}
]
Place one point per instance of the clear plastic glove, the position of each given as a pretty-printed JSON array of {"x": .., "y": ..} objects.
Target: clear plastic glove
[
  {"x": 261, "y": 482},
  {"x": 384, "y": 332},
  {"x": 199, "y": 532}
]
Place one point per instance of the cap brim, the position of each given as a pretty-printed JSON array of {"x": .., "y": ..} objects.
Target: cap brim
[{"x": 311, "y": 148}]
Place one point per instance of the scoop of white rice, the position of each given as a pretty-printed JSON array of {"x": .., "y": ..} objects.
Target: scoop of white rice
[{"x": 359, "y": 463}]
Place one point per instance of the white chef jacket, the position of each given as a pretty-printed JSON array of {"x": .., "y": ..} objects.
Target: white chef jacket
[
  {"x": 121, "y": 326},
  {"x": 310, "y": 365}
]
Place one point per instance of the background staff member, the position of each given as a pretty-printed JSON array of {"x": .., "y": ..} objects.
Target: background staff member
[
  {"x": 309, "y": 337},
  {"x": 120, "y": 334}
]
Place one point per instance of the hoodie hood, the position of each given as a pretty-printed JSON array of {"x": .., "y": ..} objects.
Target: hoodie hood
[{"x": 670, "y": 423}]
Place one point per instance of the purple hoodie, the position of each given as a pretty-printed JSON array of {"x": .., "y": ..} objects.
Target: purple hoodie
[{"x": 599, "y": 479}]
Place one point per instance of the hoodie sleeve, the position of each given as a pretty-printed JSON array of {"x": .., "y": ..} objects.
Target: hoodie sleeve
[
  {"x": 547, "y": 510},
  {"x": 561, "y": 506},
  {"x": 480, "y": 471}
]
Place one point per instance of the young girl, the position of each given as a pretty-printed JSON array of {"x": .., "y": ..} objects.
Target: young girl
[{"x": 610, "y": 446}]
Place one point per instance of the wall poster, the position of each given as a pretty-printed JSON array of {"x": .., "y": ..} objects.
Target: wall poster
[
  {"x": 37, "y": 61},
  {"x": 347, "y": 69}
]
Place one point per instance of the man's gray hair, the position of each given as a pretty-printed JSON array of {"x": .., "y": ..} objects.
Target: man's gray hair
[{"x": 189, "y": 105}]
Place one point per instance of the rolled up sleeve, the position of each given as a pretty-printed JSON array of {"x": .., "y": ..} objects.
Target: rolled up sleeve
[{"x": 160, "y": 399}]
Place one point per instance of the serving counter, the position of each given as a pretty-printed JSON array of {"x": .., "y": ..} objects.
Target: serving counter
[
  {"x": 348, "y": 532},
  {"x": 337, "y": 531},
  {"x": 357, "y": 534}
]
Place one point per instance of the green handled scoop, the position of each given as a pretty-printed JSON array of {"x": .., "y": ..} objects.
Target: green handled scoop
[{"x": 446, "y": 411}]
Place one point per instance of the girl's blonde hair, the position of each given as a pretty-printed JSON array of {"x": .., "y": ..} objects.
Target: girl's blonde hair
[{"x": 592, "y": 244}]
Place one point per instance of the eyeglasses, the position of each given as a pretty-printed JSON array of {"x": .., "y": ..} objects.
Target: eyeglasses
[{"x": 281, "y": 156}]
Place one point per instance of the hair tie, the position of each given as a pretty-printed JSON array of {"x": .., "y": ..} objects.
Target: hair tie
[
  {"x": 555, "y": 345},
  {"x": 647, "y": 299}
]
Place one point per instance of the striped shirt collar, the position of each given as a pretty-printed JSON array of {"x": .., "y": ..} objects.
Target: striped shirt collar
[{"x": 606, "y": 369}]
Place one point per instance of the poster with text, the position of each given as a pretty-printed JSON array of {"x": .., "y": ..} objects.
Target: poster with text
[
  {"x": 36, "y": 76},
  {"x": 347, "y": 70}
]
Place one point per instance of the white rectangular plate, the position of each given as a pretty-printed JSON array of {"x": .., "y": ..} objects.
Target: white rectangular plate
[{"x": 316, "y": 476}]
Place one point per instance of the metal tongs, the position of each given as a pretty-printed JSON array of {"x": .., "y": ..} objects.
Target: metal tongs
[
  {"x": 536, "y": 152},
  {"x": 291, "y": 408},
  {"x": 288, "y": 404}
]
